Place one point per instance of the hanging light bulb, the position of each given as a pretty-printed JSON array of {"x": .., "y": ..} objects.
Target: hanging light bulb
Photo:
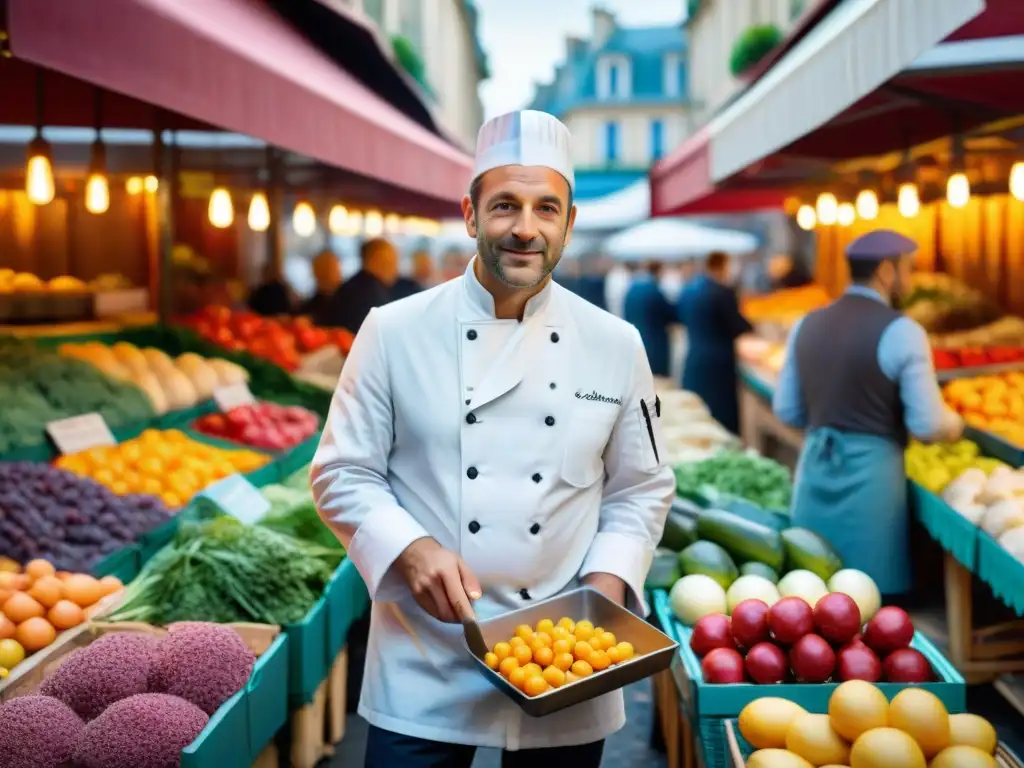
[
  {"x": 152, "y": 184},
  {"x": 97, "y": 190},
  {"x": 259, "y": 213},
  {"x": 907, "y": 200},
  {"x": 958, "y": 190},
  {"x": 827, "y": 208},
  {"x": 1017, "y": 180},
  {"x": 39, "y": 185},
  {"x": 134, "y": 185},
  {"x": 806, "y": 218},
  {"x": 337, "y": 220},
  {"x": 845, "y": 214},
  {"x": 355, "y": 223},
  {"x": 373, "y": 224},
  {"x": 221, "y": 209},
  {"x": 304, "y": 220},
  {"x": 867, "y": 204},
  {"x": 392, "y": 224}
]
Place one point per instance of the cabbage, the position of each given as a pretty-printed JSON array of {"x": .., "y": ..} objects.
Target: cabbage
[
  {"x": 1002, "y": 516},
  {"x": 803, "y": 584},
  {"x": 859, "y": 586},
  {"x": 695, "y": 596},
  {"x": 751, "y": 587}
]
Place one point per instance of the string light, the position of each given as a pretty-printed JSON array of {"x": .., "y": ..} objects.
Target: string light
[
  {"x": 1017, "y": 181},
  {"x": 355, "y": 223},
  {"x": 39, "y": 184},
  {"x": 373, "y": 224},
  {"x": 152, "y": 184},
  {"x": 134, "y": 185},
  {"x": 867, "y": 204},
  {"x": 907, "y": 200},
  {"x": 392, "y": 224},
  {"x": 97, "y": 190},
  {"x": 827, "y": 208},
  {"x": 806, "y": 218},
  {"x": 958, "y": 190},
  {"x": 304, "y": 220},
  {"x": 259, "y": 213},
  {"x": 337, "y": 220},
  {"x": 845, "y": 214},
  {"x": 221, "y": 210}
]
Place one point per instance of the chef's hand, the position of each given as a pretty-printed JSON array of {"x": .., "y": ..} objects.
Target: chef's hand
[
  {"x": 440, "y": 580},
  {"x": 611, "y": 586}
]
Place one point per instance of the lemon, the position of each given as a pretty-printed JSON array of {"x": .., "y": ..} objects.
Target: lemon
[
  {"x": 857, "y": 706},
  {"x": 972, "y": 731},
  {"x": 765, "y": 721},
  {"x": 812, "y": 737},
  {"x": 886, "y": 748},
  {"x": 922, "y": 716},
  {"x": 963, "y": 756},
  {"x": 11, "y": 653},
  {"x": 776, "y": 758}
]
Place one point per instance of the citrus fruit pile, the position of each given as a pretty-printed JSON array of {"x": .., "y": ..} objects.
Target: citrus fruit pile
[
  {"x": 864, "y": 730},
  {"x": 550, "y": 655},
  {"x": 37, "y": 602},
  {"x": 168, "y": 464}
]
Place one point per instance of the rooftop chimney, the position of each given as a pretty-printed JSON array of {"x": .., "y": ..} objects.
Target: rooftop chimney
[{"x": 604, "y": 25}]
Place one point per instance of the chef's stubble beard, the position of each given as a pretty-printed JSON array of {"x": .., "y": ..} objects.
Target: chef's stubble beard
[{"x": 489, "y": 252}]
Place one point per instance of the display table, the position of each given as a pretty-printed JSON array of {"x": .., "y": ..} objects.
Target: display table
[{"x": 760, "y": 429}]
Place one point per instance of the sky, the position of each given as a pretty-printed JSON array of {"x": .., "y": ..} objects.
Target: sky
[{"x": 525, "y": 39}]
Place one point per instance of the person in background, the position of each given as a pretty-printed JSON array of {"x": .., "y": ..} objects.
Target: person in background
[
  {"x": 858, "y": 378},
  {"x": 327, "y": 273},
  {"x": 272, "y": 296},
  {"x": 710, "y": 311},
  {"x": 617, "y": 283},
  {"x": 786, "y": 272},
  {"x": 422, "y": 276},
  {"x": 370, "y": 287},
  {"x": 649, "y": 311},
  {"x": 591, "y": 283}
]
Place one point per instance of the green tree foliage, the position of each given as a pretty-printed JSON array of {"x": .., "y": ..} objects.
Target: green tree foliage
[
  {"x": 409, "y": 59},
  {"x": 752, "y": 46}
]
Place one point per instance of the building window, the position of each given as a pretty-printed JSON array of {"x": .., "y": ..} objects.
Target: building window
[
  {"x": 375, "y": 10},
  {"x": 657, "y": 139},
  {"x": 613, "y": 77},
  {"x": 611, "y": 143},
  {"x": 672, "y": 75}
]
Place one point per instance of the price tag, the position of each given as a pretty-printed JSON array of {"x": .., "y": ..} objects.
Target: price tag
[
  {"x": 228, "y": 398},
  {"x": 79, "y": 433},
  {"x": 123, "y": 302},
  {"x": 236, "y": 496}
]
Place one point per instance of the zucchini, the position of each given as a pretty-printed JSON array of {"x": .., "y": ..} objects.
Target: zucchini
[
  {"x": 806, "y": 550},
  {"x": 743, "y": 539},
  {"x": 708, "y": 558},
  {"x": 754, "y": 568},
  {"x": 680, "y": 529},
  {"x": 665, "y": 571},
  {"x": 755, "y": 514}
]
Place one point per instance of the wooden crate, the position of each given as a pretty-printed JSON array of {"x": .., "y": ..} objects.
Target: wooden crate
[{"x": 318, "y": 726}]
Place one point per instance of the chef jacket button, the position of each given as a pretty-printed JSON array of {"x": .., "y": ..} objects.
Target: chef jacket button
[
  {"x": 552, "y": 385},
  {"x": 474, "y": 526},
  {"x": 535, "y": 529},
  {"x": 471, "y": 334},
  {"x": 536, "y": 477},
  {"x": 467, "y": 402},
  {"x": 471, "y": 418},
  {"x": 550, "y": 421},
  {"x": 524, "y": 594},
  {"x": 471, "y": 473},
  {"x": 554, "y": 337}
]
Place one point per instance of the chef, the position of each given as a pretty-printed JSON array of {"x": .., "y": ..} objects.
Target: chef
[
  {"x": 492, "y": 442},
  {"x": 858, "y": 377}
]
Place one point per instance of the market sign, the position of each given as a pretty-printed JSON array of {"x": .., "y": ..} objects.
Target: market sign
[
  {"x": 80, "y": 433},
  {"x": 237, "y": 497},
  {"x": 233, "y": 396}
]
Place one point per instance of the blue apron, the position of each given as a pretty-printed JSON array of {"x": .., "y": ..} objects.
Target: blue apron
[{"x": 851, "y": 489}]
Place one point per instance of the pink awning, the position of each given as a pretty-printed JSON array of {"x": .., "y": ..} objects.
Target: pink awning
[{"x": 236, "y": 65}]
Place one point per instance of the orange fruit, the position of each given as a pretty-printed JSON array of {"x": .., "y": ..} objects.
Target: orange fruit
[
  {"x": 502, "y": 651},
  {"x": 110, "y": 585},
  {"x": 47, "y": 590},
  {"x": 563, "y": 661},
  {"x": 536, "y": 685},
  {"x": 20, "y": 607},
  {"x": 582, "y": 669},
  {"x": 518, "y": 678},
  {"x": 613, "y": 654},
  {"x": 544, "y": 656},
  {"x": 561, "y": 646},
  {"x": 491, "y": 660},
  {"x": 545, "y": 625},
  {"x": 542, "y": 639},
  {"x": 625, "y": 650},
  {"x": 567, "y": 624},
  {"x": 532, "y": 669},
  {"x": 582, "y": 650},
  {"x": 605, "y": 640},
  {"x": 6, "y": 628},
  {"x": 524, "y": 631},
  {"x": 599, "y": 660},
  {"x": 570, "y": 678},
  {"x": 522, "y": 654},
  {"x": 83, "y": 590},
  {"x": 584, "y": 630},
  {"x": 506, "y": 665},
  {"x": 554, "y": 677},
  {"x": 559, "y": 633},
  {"x": 65, "y": 615},
  {"x": 36, "y": 569},
  {"x": 35, "y": 634},
  {"x": 515, "y": 642}
]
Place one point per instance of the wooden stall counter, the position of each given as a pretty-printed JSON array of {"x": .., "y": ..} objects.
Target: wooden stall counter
[{"x": 759, "y": 427}]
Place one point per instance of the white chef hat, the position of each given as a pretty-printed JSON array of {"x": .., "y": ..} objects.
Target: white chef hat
[{"x": 526, "y": 137}]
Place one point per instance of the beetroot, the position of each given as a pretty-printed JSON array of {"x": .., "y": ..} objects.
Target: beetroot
[
  {"x": 889, "y": 630},
  {"x": 855, "y": 661},
  {"x": 837, "y": 618},
  {"x": 907, "y": 665},
  {"x": 38, "y": 731},
  {"x": 750, "y": 623},
  {"x": 812, "y": 659},
  {"x": 766, "y": 664},
  {"x": 790, "y": 619},
  {"x": 723, "y": 665},
  {"x": 711, "y": 632}
]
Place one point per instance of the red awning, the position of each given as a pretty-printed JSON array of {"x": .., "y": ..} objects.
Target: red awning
[{"x": 236, "y": 65}]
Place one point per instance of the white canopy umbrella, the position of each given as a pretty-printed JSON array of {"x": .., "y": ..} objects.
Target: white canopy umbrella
[
  {"x": 629, "y": 206},
  {"x": 668, "y": 239}
]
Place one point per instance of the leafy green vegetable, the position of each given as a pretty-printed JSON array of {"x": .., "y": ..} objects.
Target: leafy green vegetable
[
  {"x": 744, "y": 475},
  {"x": 224, "y": 571},
  {"x": 292, "y": 512}
]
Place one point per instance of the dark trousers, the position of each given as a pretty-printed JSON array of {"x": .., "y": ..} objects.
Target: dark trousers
[{"x": 385, "y": 749}]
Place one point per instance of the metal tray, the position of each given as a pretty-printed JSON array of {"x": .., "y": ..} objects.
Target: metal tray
[{"x": 654, "y": 650}]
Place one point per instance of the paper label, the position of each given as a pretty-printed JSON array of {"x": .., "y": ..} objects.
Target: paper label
[
  {"x": 108, "y": 303},
  {"x": 236, "y": 496},
  {"x": 79, "y": 433},
  {"x": 233, "y": 396}
]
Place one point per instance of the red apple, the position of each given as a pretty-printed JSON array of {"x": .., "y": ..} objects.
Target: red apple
[
  {"x": 812, "y": 659},
  {"x": 790, "y": 619},
  {"x": 889, "y": 630},
  {"x": 907, "y": 665},
  {"x": 855, "y": 661},
  {"x": 750, "y": 623},
  {"x": 723, "y": 665},
  {"x": 711, "y": 632},
  {"x": 837, "y": 618},
  {"x": 766, "y": 664}
]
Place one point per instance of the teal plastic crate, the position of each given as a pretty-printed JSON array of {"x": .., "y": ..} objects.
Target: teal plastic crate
[
  {"x": 308, "y": 661},
  {"x": 1001, "y": 571},
  {"x": 955, "y": 533},
  {"x": 266, "y": 699},
  {"x": 224, "y": 742},
  {"x": 996, "y": 446},
  {"x": 763, "y": 389},
  {"x": 183, "y": 418},
  {"x": 347, "y": 600},
  {"x": 298, "y": 457},
  {"x": 125, "y": 564}
]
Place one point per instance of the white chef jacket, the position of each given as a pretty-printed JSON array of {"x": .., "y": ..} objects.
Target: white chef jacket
[{"x": 521, "y": 446}]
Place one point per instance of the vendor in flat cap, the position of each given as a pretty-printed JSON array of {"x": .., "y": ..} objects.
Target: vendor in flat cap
[{"x": 859, "y": 379}]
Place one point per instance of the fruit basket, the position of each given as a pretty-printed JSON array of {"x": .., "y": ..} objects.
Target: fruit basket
[
  {"x": 996, "y": 446},
  {"x": 954, "y": 532},
  {"x": 1001, "y": 571}
]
